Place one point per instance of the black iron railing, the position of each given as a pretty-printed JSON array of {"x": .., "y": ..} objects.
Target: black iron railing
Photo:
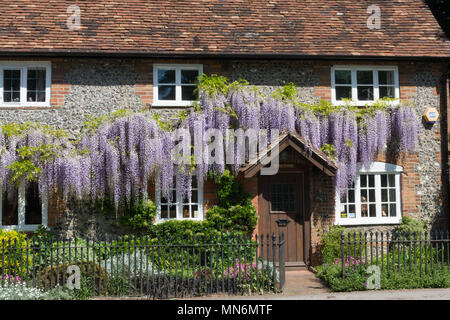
[
  {"x": 140, "y": 266},
  {"x": 396, "y": 252}
]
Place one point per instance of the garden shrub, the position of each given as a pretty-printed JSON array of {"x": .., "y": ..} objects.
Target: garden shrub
[
  {"x": 14, "y": 258},
  {"x": 134, "y": 264},
  {"x": 410, "y": 225},
  {"x": 139, "y": 217},
  {"x": 356, "y": 280},
  {"x": 234, "y": 210},
  {"x": 331, "y": 243}
]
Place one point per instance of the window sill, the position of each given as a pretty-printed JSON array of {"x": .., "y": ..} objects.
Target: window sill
[
  {"x": 7, "y": 106},
  {"x": 158, "y": 221},
  {"x": 368, "y": 222},
  {"x": 362, "y": 103},
  {"x": 173, "y": 104},
  {"x": 27, "y": 227}
]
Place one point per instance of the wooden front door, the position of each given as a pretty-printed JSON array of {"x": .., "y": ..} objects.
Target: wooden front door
[{"x": 281, "y": 209}]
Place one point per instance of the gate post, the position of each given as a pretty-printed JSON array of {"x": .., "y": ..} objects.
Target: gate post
[{"x": 281, "y": 260}]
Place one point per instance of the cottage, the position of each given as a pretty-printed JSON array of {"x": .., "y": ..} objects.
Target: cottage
[{"x": 146, "y": 55}]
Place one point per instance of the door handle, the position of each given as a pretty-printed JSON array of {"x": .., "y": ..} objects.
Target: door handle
[{"x": 282, "y": 222}]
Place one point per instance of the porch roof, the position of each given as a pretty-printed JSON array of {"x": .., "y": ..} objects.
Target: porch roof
[{"x": 318, "y": 158}]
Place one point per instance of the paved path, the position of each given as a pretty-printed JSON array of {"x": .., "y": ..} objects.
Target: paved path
[{"x": 416, "y": 294}]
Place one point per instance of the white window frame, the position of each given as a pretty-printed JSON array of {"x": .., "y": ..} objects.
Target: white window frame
[
  {"x": 178, "y": 204},
  {"x": 23, "y": 67},
  {"x": 21, "y": 226},
  {"x": 178, "y": 102},
  {"x": 376, "y": 168},
  {"x": 354, "y": 84}
]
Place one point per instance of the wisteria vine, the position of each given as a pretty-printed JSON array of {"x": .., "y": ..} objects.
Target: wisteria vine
[{"x": 119, "y": 155}]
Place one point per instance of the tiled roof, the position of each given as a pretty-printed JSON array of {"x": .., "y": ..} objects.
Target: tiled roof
[{"x": 163, "y": 27}]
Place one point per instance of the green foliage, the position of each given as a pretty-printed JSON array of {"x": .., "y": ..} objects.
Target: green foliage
[
  {"x": 14, "y": 259},
  {"x": 93, "y": 123},
  {"x": 181, "y": 228},
  {"x": 355, "y": 280},
  {"x": 411, "y": 225},
  {"x": 234, "y": 210},
  {"x": 235, "y": 218},
  {"x": 288, "y": 92},
  {"x": 27, "y": 165},
  {"x": 215, "y": 84},
  {"x": 329, "y": 150},
  {"x": 140, "y": 217},
  {"x": 331, "y": 243}
]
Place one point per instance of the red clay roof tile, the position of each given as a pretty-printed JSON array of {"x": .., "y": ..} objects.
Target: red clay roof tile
[{"x": 289, "y": 27}]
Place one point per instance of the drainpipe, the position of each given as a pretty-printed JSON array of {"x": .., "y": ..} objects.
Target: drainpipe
[{"x": 444, "y": 145}]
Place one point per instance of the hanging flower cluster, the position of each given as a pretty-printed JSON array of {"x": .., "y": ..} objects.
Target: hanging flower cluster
[{"x": 116, "y": 156}]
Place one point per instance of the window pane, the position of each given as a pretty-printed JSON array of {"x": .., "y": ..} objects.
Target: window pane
[
  {"x": 194, "y": 196},
  {"x": 343, "y": 92},
  {"x": 189, "y": 76},
  {"x": 384, "y": 210},
  {"x": 10, "y": 208},
  {"x": 11, "y": 85},
  {"x": 172, "y": 211},
  {"x": 364, "y": 77},
  {"x": 365, "y": 93},
  {"x": 383, "y": 180},
  {"x": 36, "y": 85},
  {"x": 166, "y": 76},
  {"x": 194, "y": 210},
  {"x": 186, "y": 212},
  {"x": 371, "y": 195},
  {"x": 384, "y": 195},
  {"x": 363, "y": 179},
  {"x": 33, "y": 206},
  {"x": 166, "y": 92},
  {"x": 164, "y": 212},
  {"x": 371, "y": 181},
  {"x": 351, "y": 196},
  {"x": 187, "y": 93},
  {"x": 343, "y": 77},
  {"x": 392, "y": 195},
  {"x": 392, "y": 180},
  {"x": 386, "y": 77},
  {"x": 363, "y": 195},
  {"x": 282, "y": 197},
  {"x": 372, "y": 210},
  {"x": 364, "y": 212},
  {"x": 387, "y": 92},
  {"x": 393, "y": 211}
]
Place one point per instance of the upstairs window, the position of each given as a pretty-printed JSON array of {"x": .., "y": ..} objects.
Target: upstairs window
[
  {"x": 179, "y": 208},
  {"x": 25, "y": 84},
  {"x": 364, "y": 85},
  {"x": 174, "y": 85},
  {"x": 374, "y": 198}
]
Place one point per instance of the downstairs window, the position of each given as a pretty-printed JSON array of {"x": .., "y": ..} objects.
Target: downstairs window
[
  {"x": 22, "y": 209},
  {"x": 374, "y": 198},
  {"x": 180, "y": 208}
]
